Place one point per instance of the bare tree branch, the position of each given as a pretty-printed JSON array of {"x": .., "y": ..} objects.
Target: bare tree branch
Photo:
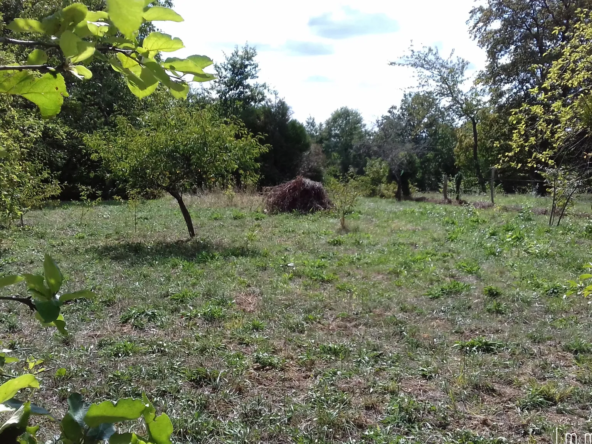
[
  {"x": 42, "y": 68},
  {"x": 28, "y": 43},
  {"x": 27, "y": 301},
  {"x": 37, "y": 43}
]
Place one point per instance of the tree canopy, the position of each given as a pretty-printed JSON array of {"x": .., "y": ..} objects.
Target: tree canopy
[
  {"x": 447, "y": 79},
  {"x": 522, "y": 38},
  {"x": 555, "y": 131},
  {"x": 341, "y": 133},
  {"x": 177, "y": 147}
]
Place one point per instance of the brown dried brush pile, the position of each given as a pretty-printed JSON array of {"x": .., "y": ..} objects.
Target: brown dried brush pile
[{"x": 301, "y": 194}]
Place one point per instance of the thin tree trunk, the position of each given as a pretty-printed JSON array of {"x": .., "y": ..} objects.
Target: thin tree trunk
[
  {"x": 185, "y": 212},
  {"x": 565, "y": 206},
  {"x": 399, "y": 193},
  {"x": 476, "y": 156},
  {"x": 554, "y": 203}
]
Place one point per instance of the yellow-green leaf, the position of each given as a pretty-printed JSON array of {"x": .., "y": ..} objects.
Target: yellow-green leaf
[
  {"x": 53, "y": 275},
  {"x": 74, "y": 14},
  {"x": 10, "y": 280},
  {"x": 96, "y": 16},
  {"x": 37, "y": 57},
  {"x": 205, "y": 77},
  {"x": 47, "y": 92},
  {"x": 109, "y": 412},
  {"x": 142, "y": 82},
  {"x": 127, "y": 62},
  {"x": 82, "y": 72},
  {"x": 83, "y": 294},
  {"x": 51, "y": 24},
  {"x": 127, "y": 15},
  {"x": 160, "y": 14},
  {"x": 161, "y": 430},
  {"x": 157, "y": 41},
  {"x": 10, "y": 388},
  {"x": 87, "y": 29},
  {"x": 158, "y": 71},
  {"x": 194, "y": 64},
  {"x": 74, "y": 48},
  {"x": 126, "y": 438},
  {"x": 141, "y": 90},
  {"x": 26, "y": 25},
  {"x": 179, "y": 90}
]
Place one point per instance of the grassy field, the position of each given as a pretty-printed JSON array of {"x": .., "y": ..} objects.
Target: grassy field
[{"x": 424, "y": 323}]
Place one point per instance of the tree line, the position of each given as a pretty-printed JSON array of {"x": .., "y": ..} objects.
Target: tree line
[{"x": 118, "y": 127}]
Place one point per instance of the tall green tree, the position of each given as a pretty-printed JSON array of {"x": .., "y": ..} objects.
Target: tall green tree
[
  {"x": 522, "y": 39},
  {"x": 343, "y": 131},
  {"x": 239, "y": 94},
  {"x": 560, "y": 138},
  {"x": 391, "y": 143},
  {"x": 429, "y": 128},
  {"x": 236, "y": 86},
  {"x": 286, "y": 137},
  {"x": 25, "y": 183},
  {"x": 176, "y": 147},
  {"x": 448, "y": 80},
  {"x": 313, "y": 129}
]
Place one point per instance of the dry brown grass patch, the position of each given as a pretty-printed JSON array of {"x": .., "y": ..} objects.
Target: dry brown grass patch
[{"x": 248, "y": 301}]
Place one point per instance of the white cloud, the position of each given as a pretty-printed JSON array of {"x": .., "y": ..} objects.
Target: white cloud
[
  {"x": 298, "y": 48},
  {"x": 330, "y": 71},
  {"x": 319, "y": 79},
  {"x": 350, "y": 22}
]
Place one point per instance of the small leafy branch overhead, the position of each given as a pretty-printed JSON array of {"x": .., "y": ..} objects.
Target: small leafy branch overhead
[
  {"x": 45, "y": 298},
  {"x": 71, "y": 38},
  {"x": 83, "y": 422}
]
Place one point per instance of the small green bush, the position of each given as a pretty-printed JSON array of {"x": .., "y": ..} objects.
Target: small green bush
[
  {"x": 268, "y": 361},
  {"x": 540, "y": 396},
  {"x": 452, "y": 288},
  {"x": 496, "y": 307},
  {"x": 479, "y": 345},
  {"x": 492, "y": 292}
]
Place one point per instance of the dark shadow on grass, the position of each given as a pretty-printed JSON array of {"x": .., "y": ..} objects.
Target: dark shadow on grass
[{"x": 199, "y": 252}]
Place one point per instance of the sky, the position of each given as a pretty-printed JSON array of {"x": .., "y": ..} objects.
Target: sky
[{"x": 320, "y": 55}]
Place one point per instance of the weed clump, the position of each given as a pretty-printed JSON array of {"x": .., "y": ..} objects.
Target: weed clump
[
  {"x": 492, "y": 292},
  {"x": 301, "y": 195},
  {"x": 479, "y": 345},
  {"x": 452, "y": 288},
  {"x": 540, "y": 396}
]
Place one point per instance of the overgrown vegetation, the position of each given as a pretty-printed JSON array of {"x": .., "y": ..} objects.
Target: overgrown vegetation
[
  {"x": 317, "y": 336},
  {"x": 413, "y": 322}
]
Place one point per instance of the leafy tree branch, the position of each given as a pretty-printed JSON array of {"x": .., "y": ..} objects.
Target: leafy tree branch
[{"x": 112, "y": 37}]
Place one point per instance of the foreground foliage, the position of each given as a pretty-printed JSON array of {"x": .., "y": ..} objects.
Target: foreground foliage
[
  {"x": 72, "y": 37},
  {"x": 84, "y": 423}
]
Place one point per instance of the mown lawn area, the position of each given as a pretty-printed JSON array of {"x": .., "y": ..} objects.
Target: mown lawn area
[{"x": 424, "y": 323}]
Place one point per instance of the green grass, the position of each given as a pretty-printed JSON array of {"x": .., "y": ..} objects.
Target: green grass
[{"x": 435, "y": 323}]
